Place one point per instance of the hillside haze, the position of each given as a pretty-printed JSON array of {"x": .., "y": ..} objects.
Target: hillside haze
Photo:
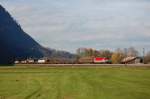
[{"x": 14, "y": 42}]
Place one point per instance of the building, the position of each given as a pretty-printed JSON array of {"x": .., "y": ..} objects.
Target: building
[
  {"x": 30, "y": 61},
  {"x": 132, "y": 60},
  {"x": 23, "y": 62},
  {"x": 16, "y": 62},
  {"x": 41, "y": 61}
]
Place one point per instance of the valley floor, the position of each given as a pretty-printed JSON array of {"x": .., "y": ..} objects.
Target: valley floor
[{"x": 74, "y": 82}]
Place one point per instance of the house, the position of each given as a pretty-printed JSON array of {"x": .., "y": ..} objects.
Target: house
[
  {"x": 41, "y": 61},
  {"x": 30, "y": 61},
  {"x": 16, "y": 62},
  {"x": 132, "y": 60},
  {"x": 23, "y": 62}
]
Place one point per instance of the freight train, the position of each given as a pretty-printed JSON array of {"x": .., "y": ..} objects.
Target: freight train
[
  {"x": 83, "y": 60},
  {"x": 94, "y": 60}
]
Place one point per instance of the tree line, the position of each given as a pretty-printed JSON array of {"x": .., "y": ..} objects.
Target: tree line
[{"x": 115, "y": 56}]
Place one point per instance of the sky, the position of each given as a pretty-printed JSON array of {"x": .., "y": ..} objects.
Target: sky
[{"x": 71, "y": 24}]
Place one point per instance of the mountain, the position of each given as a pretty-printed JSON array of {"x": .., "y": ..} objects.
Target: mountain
[
  {"x": 14, "y": 42},
  {"x": 53, "y": 53},
  {"x": 59, "y": 56}
]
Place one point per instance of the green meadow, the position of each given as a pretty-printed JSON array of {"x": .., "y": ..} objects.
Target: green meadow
[{"x": 74, "y": 83}]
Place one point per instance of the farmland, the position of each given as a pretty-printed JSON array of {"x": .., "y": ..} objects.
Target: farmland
[{"x": 74, "y": 82}]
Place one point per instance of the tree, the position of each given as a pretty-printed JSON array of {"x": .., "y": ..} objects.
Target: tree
[
  {"x": 105, "y": 53},
  {"x": 117, "y": 56},
  {"x": 86, "y": 52},
  {"x": 132, "y": 52},
  {"x": 81, "y": 52}
]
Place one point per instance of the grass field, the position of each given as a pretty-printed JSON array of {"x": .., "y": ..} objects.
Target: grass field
[{"x": 75, "y": 83}]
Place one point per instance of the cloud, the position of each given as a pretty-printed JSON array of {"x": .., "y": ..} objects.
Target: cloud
[{"x": 69, "y": 24}]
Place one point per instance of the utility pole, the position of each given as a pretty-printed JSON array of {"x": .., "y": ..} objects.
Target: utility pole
[{"x": 143, "y": 55}]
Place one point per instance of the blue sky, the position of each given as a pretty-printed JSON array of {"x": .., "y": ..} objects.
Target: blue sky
[{"x": 70, "y": 24}]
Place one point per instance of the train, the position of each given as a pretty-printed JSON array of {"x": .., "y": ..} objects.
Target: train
[
  {"x": 94, "y": 60},
  {"x": 82, "y": 60}
]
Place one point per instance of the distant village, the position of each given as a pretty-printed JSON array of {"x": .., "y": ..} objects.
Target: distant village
[{"x": 92, "y": 56}]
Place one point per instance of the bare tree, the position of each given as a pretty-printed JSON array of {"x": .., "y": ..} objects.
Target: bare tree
[
  {"x": 147, "y": 58},
  {"x": 105, "y": 53},
  {"x": 132, "y": 52}
]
